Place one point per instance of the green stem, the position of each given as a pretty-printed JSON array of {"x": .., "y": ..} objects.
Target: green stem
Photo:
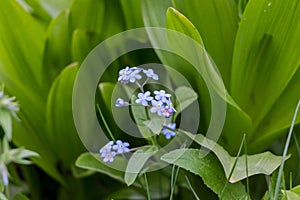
[
  {"x": 105, "y": 124},
  {"x": 246, "y": 162},
  {"x": 147, "y": 187},
  {"x": 190, "y": 185},
  {"x": 7, "y": 193}
]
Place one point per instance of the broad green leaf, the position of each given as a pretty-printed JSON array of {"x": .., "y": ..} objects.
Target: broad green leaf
[
  {"x": 289, "y": 195},
  {"x": 59, "y": 121},
  {"x": 82, "y": 43},
  {"x": 114, "y": 19},
  {"x": 81, "y": 173},
  {"x": 241, "y": 7},
  {"x": 20, "y": 197},
  {"x": 132, "y": 13},
  {"x": 263, "y": 163},
  {"x": 184, "y": 97},
  {"x": 57, "y": 47},
  {"x": 53, "y": 7},
  {"x": 296, "y": 189},
  {"x": 154, "y": 15},
  {"x": 266, "y": 57},
  {"x": 38, "y": 10},
  {"x": 6, "y": 123},
  {"x": 137, "y": 162},
  {"x": 198, "y": 76},
  {"x": 217, "y": 29},
  {"x": 17, "y": 47},
  {"x": 178, "y": 22},
  {"x": 21, "y": 73},
  {"x": 234, "y": 115},
  {"x": 90, "y": 161},
  {"x": 154, "y": 12},
  {"x": 279, "y": 118},
  {"x": 81, "y": 18},
  {"x": 208, "y": 168},
  {"x": 155, "y": 124}
]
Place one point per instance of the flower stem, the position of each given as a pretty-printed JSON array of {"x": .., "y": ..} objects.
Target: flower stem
[{"x": 140, "y": 86}]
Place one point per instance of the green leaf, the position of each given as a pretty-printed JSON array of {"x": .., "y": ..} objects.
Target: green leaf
[
  {"x": 266, "y": 58},
  {"x": 263, "y": 163},
  {"x": 83, "y": 42},
  {"x": 6, "y": 123},
  {"x": 114, "y": 19},
  {"x": 81, "y": 18},
  {"x": 155, "y": 124},
  {"x": 289, "y": 195},
  {"x": 178, "y": 22},
  {"x": 184, "y": 96},
  {"x": 132, "y": 13},
  {"x": 202, "y": 74},
  {"x": 59, "y": 120},
  {"x": 137, "y": 162},
  {"x": 217, "y": 29},
  {"x": 17, "y": 47},
  {"x": 21, "y": 69},
  {"x": 234, "y": 116},
  {"x": 20, "y": 197},
  {"x": 57, "y": 47},
  {"x": 154, "y": 12},
  {"x": 38, "y": 10},
  {"x": 296, "y": 189},
  {"x": 92, "y": 162},
  {"x": 208, "y": 168},
  {"x": 81, "y": 173},
  {"x": 279, "y": 118}
]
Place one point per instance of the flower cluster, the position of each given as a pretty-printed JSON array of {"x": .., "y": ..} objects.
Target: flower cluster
[
  {"x": 131, "y": 75},
  {"x": 110, "y": 150},
  {"x": 161, "y": 102}
]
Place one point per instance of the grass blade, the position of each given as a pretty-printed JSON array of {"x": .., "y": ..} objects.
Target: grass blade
[
  {"x": 285, "y": 152},
  {"x": 234, "y": 165}
]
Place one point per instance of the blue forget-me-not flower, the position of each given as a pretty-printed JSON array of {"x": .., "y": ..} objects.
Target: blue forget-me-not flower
[
  {"x": 124, "y": 75},
  {"x": 168, "y": 130},
  {"x": 110, "y": 150},
  {"x": 162, "y": 96},
  {"x": 121, "y": 103},
  {"x": 135, "y": 74},
  {"x": 144, "y": 98},
  {"x": 150, "y": 74},
  {"x": 121, "y": 147},
  {"x": 156, "y": 107}
]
